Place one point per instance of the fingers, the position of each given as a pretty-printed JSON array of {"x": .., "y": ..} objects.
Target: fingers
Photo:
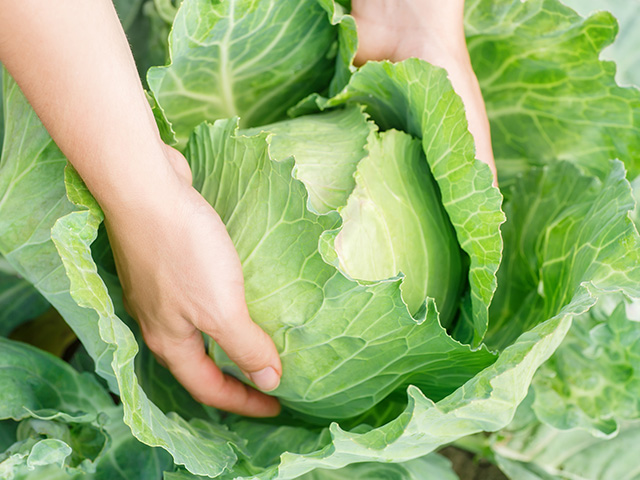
[
  {"x": 248, "y": 346},
  {"x": 195, "y": 370}
]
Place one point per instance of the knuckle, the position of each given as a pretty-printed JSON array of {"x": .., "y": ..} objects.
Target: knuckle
[
  {"x": 208, "y": 325},
  {"x": 250, "y": 356},
  {"x": 222, "y": 321},
  {"x": 158, "y": 343},
  {"x": 155, "y": 344},
  {"x": 235, "y": 312},
  {"x": 253, "y": 357}
]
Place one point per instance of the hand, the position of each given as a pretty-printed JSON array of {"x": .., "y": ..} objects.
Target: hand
[
  {"x": 432, "y": 30},
  {"x": 182, "y": 276},
  {"x": 180, "y": 273}
]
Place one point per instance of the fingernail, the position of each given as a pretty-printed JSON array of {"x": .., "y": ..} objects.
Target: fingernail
[{"x": 266, "y": 379}]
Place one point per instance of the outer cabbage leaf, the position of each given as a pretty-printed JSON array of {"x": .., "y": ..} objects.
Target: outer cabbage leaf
[
  {"x": 126, "y": 458},
  {"x": 19, "y": 300},
  {"x": 236, "y": 58},
  {"x": 68, "y": 426},
  {"x": 347, "y": 43},
  {"x": 34, "y": 382},
  {"x": 548, "y": 96},
  {"x": 432, "y": 466},
  {"x": 593, "y": 379},
  {"x": 523, "y": 471},
  {"x": 329, "y": 329},
  {"x": 635, "y": 214},
  {"x": 50, "y": 472},
  {"x": 530, "y": 450},
  {"x": 25, "y": 457},
  {"x": 569, "y": 238},
  {"x": 589, "y": 382},
  {"x": 623, "y": 50},
  {"x": 60, "y": 411}
]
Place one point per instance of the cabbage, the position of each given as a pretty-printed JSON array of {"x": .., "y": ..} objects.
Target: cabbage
[{"x": 407, "y": 313}]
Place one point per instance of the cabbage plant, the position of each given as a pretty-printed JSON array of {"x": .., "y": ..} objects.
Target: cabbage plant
[{"x": 411, "y": 301}]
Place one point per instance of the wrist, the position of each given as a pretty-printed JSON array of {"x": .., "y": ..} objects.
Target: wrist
[{"x": 142, "y": 184}]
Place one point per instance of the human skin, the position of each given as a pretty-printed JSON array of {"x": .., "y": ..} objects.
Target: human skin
[
  {"x": 432, "y": 30},
  {"x": 179, "y": 270}
]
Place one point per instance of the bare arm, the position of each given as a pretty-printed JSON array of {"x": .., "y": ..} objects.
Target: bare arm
[
  {"x": 72, "y": 61},
  {"x": 432, "y": 30},
  {"x": 179, "y": 270}
]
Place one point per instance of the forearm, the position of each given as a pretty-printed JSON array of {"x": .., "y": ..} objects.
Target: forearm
[{"x": 73, "y": 63}]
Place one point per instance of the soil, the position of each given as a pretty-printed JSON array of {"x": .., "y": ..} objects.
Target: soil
[{"x": 468, "y": 467}]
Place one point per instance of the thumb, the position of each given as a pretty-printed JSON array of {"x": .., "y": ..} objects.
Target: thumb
[{"x": 249, "y": 347}]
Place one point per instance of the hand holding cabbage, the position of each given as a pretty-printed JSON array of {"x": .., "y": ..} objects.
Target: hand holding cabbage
[{"x": 176, "y": 263}]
